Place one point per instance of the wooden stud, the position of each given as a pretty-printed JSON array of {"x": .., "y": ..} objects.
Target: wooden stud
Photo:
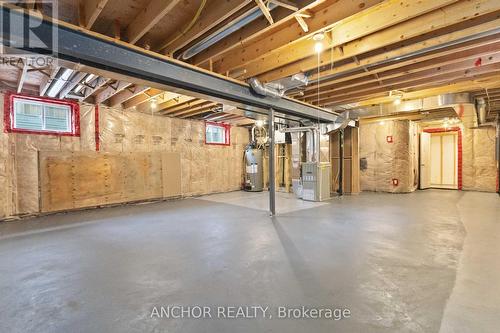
[
  {"x": 148, "y": 18},
  {"x": 89, "y": 11}
]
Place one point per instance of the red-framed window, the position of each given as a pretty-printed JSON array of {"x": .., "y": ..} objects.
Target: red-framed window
[
  {"x": 217, "y": 134},
  {"x": 41, "y": 115}
]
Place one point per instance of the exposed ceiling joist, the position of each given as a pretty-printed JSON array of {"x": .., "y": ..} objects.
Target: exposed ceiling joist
[
  {"x": 265, "y": 10},
  {"x": 110, "y": 90},
  {"x": 286, "y": 4},
  {"x": 464, "y": 56},
  {"x": 174, "y": 102},
  {"x": 210, "y": 18},
  {"x": 148, "y": 18},
  {"x": 72, "y": 83},
  {"x": 89, "y": 11},
  {"x": 364, "y": 23},
  {"x": 462, "y": 86},
  {"x": 179, "y": 107},
  {"x": 255, "y": 49},
  {"x": 141, "y": 98},
  {"x": 47, "y": 80},
  {"x": 302, "y": 22},
  {"x": 126, "y": 94},
  {"x": 259, "y": 29},
  {"x": 288, "y": 62},
  {"x": 94, "y": 86},
  {"x": 22, "y": 77},
  {"x": 206, "y": 107},
  {"x": 450, "y": 73}
]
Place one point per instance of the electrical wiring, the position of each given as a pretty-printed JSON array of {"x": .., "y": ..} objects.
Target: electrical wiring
[{"x": 188, "y": 27}]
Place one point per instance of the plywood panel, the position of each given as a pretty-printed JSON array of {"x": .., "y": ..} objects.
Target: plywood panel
[
  {"x": 76, "y": 179},
  {"x": 171, "y": 174}
]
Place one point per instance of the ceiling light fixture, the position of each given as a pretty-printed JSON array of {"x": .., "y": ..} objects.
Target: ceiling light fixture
[{"x": 318, "y": 38}]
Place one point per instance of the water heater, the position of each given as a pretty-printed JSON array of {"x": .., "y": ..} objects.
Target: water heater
[{"x": 254, "y": 171}]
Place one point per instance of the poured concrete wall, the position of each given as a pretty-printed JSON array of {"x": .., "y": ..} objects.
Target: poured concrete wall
[{"x": 205, "y": 168}]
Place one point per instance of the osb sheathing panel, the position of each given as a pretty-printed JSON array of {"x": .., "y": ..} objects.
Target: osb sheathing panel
[
  {"x": 386, "y": 161},
  {"x": 26, "y": 148},
  {"x": 86, "y": 179}
]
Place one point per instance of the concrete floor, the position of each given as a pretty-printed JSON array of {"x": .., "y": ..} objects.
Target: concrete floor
[{"x": 422, "y": 262}]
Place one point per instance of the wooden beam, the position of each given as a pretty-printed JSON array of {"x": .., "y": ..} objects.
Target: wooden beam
[
  {"x": 399, "y": 52},
  {"x": 465, "y": 54},
  {"x": 253, "y": 49},
  {"x": 173, "y": 102},
  {"x": 364, "y": 23},
  {"x": 263, "y": 8},
  {"x": 197, "y": 110},
  {"x": 210, "y": 18},
  {"x": 97, "y": 84},
  {"x": 463, "y": 86},
  {"x": 71, "y": 84},
  {"x": 444, "y": 72},
  {"x": 110, "y": 91},
  {"x": 281, "y": 65},
  {"x": 421, "y": 83},
  {"x": 22, "y": 77},
  {"x": 126, "y": 94},
  {"x": 302, "y": 23},
  {"x": 259, "y": 29},
  {"x": 89, "y": 11},
  {"x": 141, "y": 98},
  {"x": 285, "y": 4},
  {"x": 183, "y": 106},
  {"x": 148, "y": 18},
  {"x": 47, "y": 80}
]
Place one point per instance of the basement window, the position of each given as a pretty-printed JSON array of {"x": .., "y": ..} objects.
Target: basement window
[
  {"x": 33, "y": 115},
  {"x": 217, "y": 134}
]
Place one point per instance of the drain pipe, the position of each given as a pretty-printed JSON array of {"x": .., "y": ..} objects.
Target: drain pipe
[{"x": 262, "y": 90}]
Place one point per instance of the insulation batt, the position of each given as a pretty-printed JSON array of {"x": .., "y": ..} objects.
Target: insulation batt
[{"x": 205, "y": 168}]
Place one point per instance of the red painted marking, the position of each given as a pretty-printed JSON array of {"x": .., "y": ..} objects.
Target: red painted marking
[{"x": 96, "y": 129}]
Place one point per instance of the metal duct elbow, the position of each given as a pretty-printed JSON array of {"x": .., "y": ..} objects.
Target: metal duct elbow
[{"x": 262, "y": 90}]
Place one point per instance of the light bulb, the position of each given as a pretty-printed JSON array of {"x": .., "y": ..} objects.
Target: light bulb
[
  {"x": 318, "y": 47},
  {"x": 259, "y": 123},
  {"x": 397, "y": 101},
  {"x": 153, "y": 103}
]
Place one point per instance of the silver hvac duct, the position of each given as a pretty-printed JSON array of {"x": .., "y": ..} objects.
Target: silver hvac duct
[
  {"x": 481, "y": 110},
  {"x": 420, "y": 104},
  {"x": 312, "y": 140},
  {"x": 261, "y": 89},
  {"x": 225, "y": 31}
]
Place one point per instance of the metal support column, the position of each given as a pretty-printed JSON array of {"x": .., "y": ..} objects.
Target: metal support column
[
  {"x": 341, "y": 162},
  {"x": 272, "y": 180}
]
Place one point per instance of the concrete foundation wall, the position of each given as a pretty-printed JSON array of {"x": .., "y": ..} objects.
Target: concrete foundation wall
[{"x": 205, "y": 168}]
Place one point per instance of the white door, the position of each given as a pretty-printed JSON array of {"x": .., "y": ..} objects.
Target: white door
[
  {"x": 425, "y": 160},
  {"x": 444, "y": 160}
]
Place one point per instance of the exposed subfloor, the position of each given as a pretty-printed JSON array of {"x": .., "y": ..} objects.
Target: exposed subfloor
[{"x": 420, "y": 262}]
